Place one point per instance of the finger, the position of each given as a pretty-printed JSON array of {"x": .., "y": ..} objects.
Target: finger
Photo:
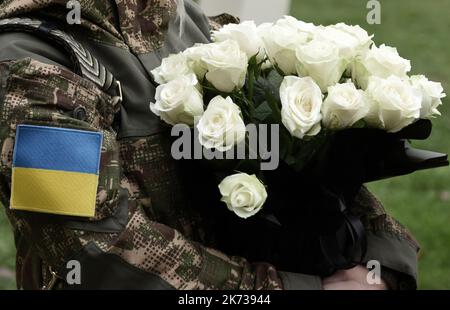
[
  {"x": 338, "y": 276},
  {"x": 344, "y": 285}
]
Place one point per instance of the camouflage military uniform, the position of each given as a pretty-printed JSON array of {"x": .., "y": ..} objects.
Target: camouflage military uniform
[{"x": 144, "y": 233}]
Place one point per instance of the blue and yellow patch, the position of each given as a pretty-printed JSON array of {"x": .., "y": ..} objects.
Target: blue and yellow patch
[{"x": 55, "y": 170}]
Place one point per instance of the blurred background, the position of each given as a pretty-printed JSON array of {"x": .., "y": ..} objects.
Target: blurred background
[
  {"x": 420, "y": 31},
  {"x": 421, "y": 201}
]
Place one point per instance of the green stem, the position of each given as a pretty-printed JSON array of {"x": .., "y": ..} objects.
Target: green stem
[
  {"x": 250, "y": 91},
  {"x": 251, "y": 83},
  {"x": 274, "y": 106}
]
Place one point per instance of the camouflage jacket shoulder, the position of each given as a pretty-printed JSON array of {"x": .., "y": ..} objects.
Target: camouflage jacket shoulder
[{"x": 139, "y": 25}]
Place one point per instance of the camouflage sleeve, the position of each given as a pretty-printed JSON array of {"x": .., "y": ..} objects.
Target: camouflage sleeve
[
  {"x": 387, "y": 242},
  {"x": 124, "y": 245},
  {"x": 217, "y": 22}
]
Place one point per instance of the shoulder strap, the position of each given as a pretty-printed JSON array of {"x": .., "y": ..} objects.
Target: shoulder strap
[{"x": 85, "y": 64}]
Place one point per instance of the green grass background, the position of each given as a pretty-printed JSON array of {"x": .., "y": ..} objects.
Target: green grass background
[
  {"x": 421, "y": 201},
  {"x": 421, "y": 32}
]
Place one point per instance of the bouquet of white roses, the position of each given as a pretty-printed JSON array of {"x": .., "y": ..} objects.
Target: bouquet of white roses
[{"x": 312, "y": 81}]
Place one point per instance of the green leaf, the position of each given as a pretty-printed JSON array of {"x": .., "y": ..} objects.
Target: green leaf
[
  {"x": 250, "y": 166},
  {"x": 303, "y": 151},
  {"x": 267, "y": 89},
  {"x": 360, "y": 124},
  {"x": 270, "y": 83},
  {"x": 262, "y": 112},
  {"x": 275, "y": 78}
]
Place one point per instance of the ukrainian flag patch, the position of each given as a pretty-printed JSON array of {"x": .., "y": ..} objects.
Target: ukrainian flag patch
[{"x": 55, "y": 170}]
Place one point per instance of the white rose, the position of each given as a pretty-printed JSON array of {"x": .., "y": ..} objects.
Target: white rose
[
  {"x": 226, "y": 65},
  {"x": 194, "y": 57},
  {"x": 321, "y": 61},
  {"x": 282, "y": 39},
  {"x": 432, "y": 94},
  {"x": 396, "y": 104},
  {"x": 245, "y": 34},
  {"x": 171, "y": 68},
  {"x": 221, "y": 126},
  {"x": 382, "y": 62},
  {"x": 351, "y": 40},
  {"x": 178, "y": 101},
  {"x": 301, "y": 101},
  {"x": 243, "y": 194},
  {"x": 344, "y": 106}
]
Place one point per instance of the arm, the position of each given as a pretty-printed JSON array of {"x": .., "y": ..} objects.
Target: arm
[
  {"x": 388, "y": 242},
  {"x": 122, "y": 247}
]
